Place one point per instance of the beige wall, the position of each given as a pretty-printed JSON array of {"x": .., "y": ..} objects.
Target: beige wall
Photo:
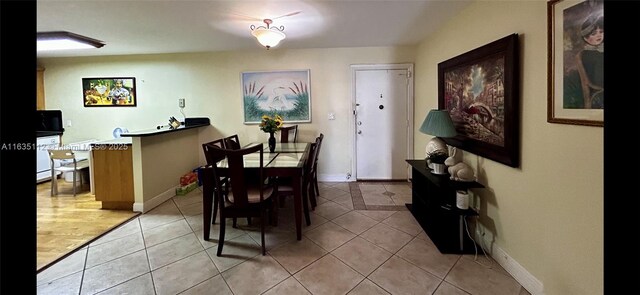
[
  {"x": 210, "y": 82},
  {"x": 546, "y": 214},
  {"x": 163, "y": 159}
]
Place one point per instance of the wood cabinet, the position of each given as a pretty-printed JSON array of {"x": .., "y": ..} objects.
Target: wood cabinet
[
  {"x": 113, "y": 176},
  {"x": 40, "y": 105},
  {"x": 434, "y": 207}
]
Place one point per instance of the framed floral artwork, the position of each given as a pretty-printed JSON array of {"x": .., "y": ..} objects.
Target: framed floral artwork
[
  {"x": 109, "y": 92},
  {"x": 575, "y": 62},
  {"x": 284, "y": 93},
  {"x": 480, "y": 89}
]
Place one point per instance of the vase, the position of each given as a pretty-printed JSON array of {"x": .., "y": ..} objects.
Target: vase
[{"x": 272, "y": 142}]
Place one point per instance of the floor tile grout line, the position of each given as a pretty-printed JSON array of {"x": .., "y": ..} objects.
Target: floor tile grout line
[
  {"x": 122, "y": 281},
  {"x": 144, "y": 244},
  {"x": 412, "y": 263},
  {"x": 84, "y": 265},
  {"x": 118, "y": 257},
  {"x": 149, "y": 273},
  {"x": 182, "y": 236}
]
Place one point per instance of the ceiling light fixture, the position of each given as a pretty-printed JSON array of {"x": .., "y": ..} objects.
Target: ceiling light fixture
[
  {"x": 268, "y": 36},
  {"x": 64, "y": 40}
]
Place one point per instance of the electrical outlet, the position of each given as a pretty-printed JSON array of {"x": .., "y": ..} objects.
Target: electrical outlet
[{"x": 181, "y": 102}]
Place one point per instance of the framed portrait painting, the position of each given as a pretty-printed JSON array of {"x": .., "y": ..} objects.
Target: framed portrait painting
[
  {"x": 285, "y": 93},
  {"x": 480, "y": 89},
  {"x": 109, "y": 92},
  {"x": 575, "y": 62}
]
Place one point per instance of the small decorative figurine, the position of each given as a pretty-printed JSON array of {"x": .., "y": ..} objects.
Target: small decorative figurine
[{"x": 459, "y": 171}]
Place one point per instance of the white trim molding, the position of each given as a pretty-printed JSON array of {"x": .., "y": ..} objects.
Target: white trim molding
[
  {"x": 155, "y": 201},
  {"x": 517, "y": 271}
]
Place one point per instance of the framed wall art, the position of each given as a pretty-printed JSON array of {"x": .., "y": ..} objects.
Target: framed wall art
[
  {"x": 575, "y": 62},
  {"x": 480, "y": 89},
  {"x": 109, "y": 92},
  {"x": 285, "y": 93}
]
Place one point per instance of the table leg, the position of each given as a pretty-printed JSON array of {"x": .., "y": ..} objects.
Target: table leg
[{"x": 297, "y": 205}]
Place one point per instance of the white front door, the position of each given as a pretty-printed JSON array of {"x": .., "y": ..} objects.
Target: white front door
[{"x": 381, "y": 123}]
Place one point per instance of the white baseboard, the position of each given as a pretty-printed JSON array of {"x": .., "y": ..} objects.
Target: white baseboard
[
  {"x": 155, "y": 201},
  {"x": 334, "y": 178},
  {"x": 519, "y": 273}
]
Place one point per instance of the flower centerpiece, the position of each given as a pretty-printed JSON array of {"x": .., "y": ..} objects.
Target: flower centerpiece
[{"x": 271, "y": 124}]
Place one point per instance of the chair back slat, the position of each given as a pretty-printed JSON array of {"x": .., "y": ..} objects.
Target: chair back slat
[
  {"x": 232, "y": 142},
  {"x": 219, "y": 143},
  {"x": 288, "y": 133},
  {"x": 240, "y": 180},
  {"x": 309, "y": 163},
  {"x": 318, "y": 143}
]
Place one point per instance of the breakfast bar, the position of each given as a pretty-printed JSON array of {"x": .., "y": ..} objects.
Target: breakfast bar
[{"x": 140, "y": 170}]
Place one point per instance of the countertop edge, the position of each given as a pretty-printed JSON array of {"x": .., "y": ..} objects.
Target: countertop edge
[{"x": 165, "y": 129}]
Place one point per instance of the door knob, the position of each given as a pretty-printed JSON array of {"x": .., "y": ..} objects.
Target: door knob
[
  {"x": 359, "y": 131},
  {"x": 359, "y": 123}
]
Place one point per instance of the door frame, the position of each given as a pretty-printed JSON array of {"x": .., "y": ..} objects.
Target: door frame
[{"x": 410, "y": 100}]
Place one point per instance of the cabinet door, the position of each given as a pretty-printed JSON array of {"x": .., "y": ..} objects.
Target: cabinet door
[
  {"x": 40, "y": 89},
  {"x": 43, "y": 163}
]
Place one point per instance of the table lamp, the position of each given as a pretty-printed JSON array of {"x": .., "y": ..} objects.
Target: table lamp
[{"x": 439, "y": 124}]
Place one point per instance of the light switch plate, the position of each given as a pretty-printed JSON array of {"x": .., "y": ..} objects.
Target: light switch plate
[{"x": 181, "y": 102}]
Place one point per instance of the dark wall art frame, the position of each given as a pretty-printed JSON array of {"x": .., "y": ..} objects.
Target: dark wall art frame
[
  {"x": 480, "y": 89},
  {"x": 575, "y": 62},
  {"x": 109, "y": 92}
]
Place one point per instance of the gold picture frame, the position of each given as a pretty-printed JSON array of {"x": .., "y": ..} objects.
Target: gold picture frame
[{"x": 575, "y": 62}]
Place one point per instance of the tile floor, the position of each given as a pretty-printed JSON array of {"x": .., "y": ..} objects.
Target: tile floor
[{"x": 344, "y": 251}]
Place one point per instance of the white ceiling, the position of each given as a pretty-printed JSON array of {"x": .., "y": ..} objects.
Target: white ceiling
[{"x": 152, "y": 26}]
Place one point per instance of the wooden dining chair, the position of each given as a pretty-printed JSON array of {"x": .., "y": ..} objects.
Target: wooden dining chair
[
  {"x": 285, "y": 188},
  {"x": 288, "y": 133},
  {"x": 247, "y": 197},
  {"x": 232, "y": 142},
  {"x": 314, "y": 172},
  {"x": 212, "y": 159}
]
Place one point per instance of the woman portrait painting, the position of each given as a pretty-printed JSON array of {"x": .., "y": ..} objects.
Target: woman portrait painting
[{"x": 584, "y": 56}]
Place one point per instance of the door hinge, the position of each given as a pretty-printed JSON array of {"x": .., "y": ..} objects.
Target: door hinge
[{"x": 408, "y": 74}]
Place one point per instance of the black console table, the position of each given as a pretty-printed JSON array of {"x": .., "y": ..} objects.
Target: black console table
[{"x": 434, "y": 207}]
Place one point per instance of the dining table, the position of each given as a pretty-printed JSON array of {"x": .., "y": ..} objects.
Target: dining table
[{"x": 287, "y": 160}]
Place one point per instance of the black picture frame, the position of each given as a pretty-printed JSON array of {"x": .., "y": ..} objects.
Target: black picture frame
[
  {"x": 99, "y": 92},
  {"x": 480, "y": 89}
]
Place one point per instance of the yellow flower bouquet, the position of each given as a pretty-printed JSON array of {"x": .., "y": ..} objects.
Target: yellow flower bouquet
[{"x": 271, "y": 124}]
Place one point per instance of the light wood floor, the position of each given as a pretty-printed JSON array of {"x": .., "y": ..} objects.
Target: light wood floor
[{"x": 66, "y": 222}]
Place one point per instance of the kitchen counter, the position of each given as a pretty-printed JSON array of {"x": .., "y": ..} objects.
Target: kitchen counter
[{"x": 140, "y": 170}]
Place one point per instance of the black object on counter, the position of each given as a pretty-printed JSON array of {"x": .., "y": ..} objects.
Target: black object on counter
[
  {"x": 196, "y": 121},
  {"x": 49, "y": 120}
]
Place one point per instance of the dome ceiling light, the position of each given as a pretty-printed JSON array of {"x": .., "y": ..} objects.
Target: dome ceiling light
[{"x": 267, "y": 35}]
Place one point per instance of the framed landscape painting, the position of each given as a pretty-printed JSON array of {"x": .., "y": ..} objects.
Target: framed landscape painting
[
  {"x": 109, "y": 92},
  {"x": 285, "y": 93},
  {"x": 575, "y": 62},
  {"x": 480, "y": 90}
]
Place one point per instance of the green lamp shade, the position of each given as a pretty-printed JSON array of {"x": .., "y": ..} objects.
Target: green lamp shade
[{"x": 438, "y": 123}]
